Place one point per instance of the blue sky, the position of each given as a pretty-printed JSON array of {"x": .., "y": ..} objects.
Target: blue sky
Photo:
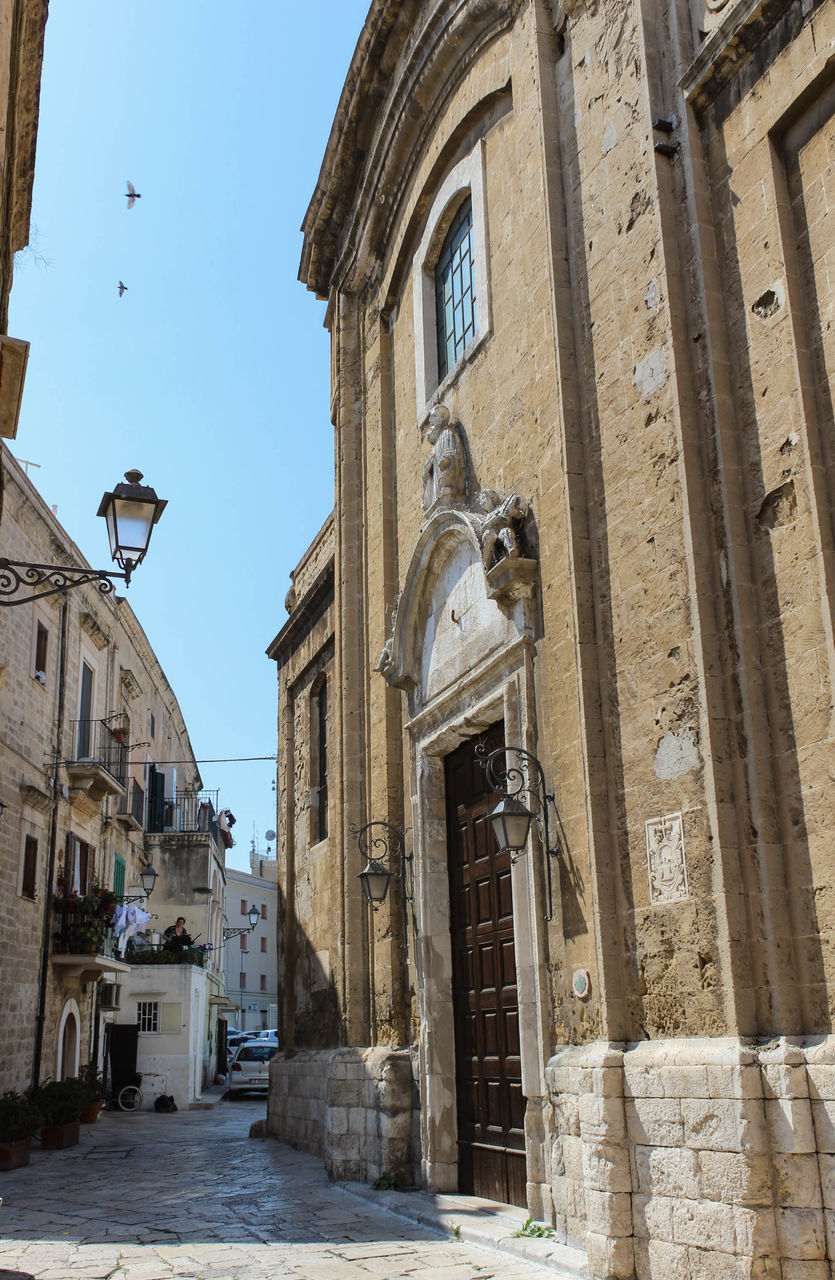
[{"x": 211, "y": 374}]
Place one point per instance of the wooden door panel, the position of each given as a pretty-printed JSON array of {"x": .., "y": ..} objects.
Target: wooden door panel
[{"x": 491, "y": 1105}]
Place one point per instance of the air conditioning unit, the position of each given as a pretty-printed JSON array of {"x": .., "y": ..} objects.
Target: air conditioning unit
[{"x": 109, "y": 995}]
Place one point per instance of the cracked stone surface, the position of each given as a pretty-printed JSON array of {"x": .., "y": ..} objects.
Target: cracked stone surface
[{"x": 191, "y": 1195}]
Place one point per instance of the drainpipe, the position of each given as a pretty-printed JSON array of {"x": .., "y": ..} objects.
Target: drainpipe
[{"x": 53, "y": 844}]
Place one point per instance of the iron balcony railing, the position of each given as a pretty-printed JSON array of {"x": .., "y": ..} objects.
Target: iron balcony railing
[
  {"x": 132, "y": 802},
  {"x": 76, "y": 931},
  {"x": 186, "y": 812},
  {"x": 95, "y": 740}
]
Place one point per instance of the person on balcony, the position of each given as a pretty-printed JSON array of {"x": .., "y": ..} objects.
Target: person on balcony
[{"x": 176, "y": 935}]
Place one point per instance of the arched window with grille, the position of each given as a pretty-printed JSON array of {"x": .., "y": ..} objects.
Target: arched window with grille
[
  {"x": 455, "y": 293},
  {"x": 451, "y": 280}
]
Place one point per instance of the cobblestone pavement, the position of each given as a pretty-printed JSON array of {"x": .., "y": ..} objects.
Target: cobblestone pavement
[{"x": 145, "y": 1197}]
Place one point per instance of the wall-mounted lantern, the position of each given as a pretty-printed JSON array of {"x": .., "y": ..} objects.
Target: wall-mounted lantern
[{"x": 512, "y": 818}]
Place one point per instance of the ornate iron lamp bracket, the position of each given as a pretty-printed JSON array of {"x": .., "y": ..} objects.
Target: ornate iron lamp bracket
[
  {"x": 17, "y": 575},
  {"x": 523, "y": 776},
  {"x": 383, "y": 845}
]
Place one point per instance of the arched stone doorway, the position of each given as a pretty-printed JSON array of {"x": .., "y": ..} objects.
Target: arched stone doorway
[
  {"x": 69, "y": 1042},
  {"x": 462, "y": 648}
]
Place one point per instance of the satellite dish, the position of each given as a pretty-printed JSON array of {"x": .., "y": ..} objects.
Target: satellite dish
[{"x": 269, "y": 835}]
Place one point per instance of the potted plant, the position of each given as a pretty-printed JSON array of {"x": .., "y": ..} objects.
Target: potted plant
[
  {"x": 90, "y": 938},
  {"x": 95, "y": 1091},
  {"x": 18, "y": 1121},
  {"x": 59, "y": 1103}
]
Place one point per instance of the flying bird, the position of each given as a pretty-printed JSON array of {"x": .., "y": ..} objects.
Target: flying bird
[
  {"x": 123, "y": 288},
  {"x": 132, "y": 195}
]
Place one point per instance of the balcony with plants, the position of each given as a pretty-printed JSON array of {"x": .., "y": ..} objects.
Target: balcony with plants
[{"x": 82, "y": 939}]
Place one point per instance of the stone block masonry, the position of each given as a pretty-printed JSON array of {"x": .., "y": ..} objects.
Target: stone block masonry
[
  {"x": 353, "y": 1107},
  {"x": 696, "y": 1157}
]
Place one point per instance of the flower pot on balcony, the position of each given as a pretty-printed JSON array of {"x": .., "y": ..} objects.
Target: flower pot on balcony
[
  {"x": 54, "y": 1137},
  {"x": 13, "y": 1155},
  {"x": 90, "y": 1114}
]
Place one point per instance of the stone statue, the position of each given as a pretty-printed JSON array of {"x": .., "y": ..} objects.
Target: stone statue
[
  {"x": 499, "y": 538},
  {"x": 444, "y": 473}
]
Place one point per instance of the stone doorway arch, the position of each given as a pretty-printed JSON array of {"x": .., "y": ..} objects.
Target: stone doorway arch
[
  {"x": 68, "y": 1059},
  {"x": 462, "y": 648}
]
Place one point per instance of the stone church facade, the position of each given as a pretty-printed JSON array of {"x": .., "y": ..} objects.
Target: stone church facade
[{"x": 579, "y": 267}]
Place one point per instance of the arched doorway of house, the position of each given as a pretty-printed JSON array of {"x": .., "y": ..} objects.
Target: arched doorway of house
[
  {"x": 488, "y": 1064},
  {"x": 69, "y": 1042}
]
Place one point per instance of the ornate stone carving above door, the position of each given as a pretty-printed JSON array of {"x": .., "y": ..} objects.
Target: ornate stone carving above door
[{"x": 471, "y": 578}]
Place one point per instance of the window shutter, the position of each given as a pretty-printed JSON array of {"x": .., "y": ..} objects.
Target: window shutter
[{"x": 172, "y": 1017}]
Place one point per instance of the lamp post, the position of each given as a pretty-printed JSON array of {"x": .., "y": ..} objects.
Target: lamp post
[
  {"x": 511, "y": 819},
  {"x": 253, "y": 916},
  {"x": 379, "y": 844},
  {"x": 131, "y": 511},
  {"x": 148, "y": 876}
]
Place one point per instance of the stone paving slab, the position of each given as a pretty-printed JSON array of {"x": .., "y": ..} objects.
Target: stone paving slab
[{"x": 189, "y": 1196}]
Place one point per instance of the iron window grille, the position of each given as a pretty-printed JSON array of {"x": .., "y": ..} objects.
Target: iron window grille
[{"x": 455, "y": 300}]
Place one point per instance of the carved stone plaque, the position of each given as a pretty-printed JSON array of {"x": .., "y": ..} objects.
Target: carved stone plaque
[{"x": 666, "y": 866}]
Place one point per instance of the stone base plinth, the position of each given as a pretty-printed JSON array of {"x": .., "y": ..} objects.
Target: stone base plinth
[
  {"x": 353, "y": 1107},
  {"x": 696, "y": 1157}
]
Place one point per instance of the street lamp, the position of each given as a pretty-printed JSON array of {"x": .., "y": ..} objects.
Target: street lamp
[
  {"x": 148, "y": 876},
  {"x": 511, "y": 819},
  {"x": 379, "y": 844},
  {"x": 131, "y": 511},
  {"x": 253, "y": 916}
]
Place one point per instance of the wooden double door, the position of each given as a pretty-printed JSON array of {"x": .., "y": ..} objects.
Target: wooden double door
[{"x": 491, "y": 1106}]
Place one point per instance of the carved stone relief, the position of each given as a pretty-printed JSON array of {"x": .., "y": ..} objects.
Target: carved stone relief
[
  {"x": 493, "y": 525},
  {"x": 445, "y": 470},
  {"x": 666, "y": 865}
]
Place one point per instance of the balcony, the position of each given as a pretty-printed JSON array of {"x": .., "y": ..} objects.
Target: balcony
[
  {"x": 82, "y": 944},
  {"x": 99, "y": 766},
  {"x": 132, "y": 806},
  {"x": 139, "y": 952},
  {"x": 191, "y": 812}
]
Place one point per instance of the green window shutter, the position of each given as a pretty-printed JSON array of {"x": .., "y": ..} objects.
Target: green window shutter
[
  {"x": 119, "y": 877},
  {"x": 172, "y": 1017}
]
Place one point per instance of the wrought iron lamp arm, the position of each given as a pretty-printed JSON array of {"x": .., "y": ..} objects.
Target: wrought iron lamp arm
[
  {"x": 19, "y": 574},
  {"x": 236, "y": 933},
  {"x": 514, "y": 780},
  {"x": 379, "y": 842}
]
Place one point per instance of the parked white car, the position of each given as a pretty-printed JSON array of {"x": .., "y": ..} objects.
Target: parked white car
[{"x": 250, "y": 1067}]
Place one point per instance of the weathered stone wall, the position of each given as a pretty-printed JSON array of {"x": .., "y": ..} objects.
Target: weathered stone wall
[
  {"x": 352, "y": 1107},
  {"x": 696, "y": 1157},
  {"x": 34, "y": 783},
  {"x": 311, "y": 975},
  {"x": 652, "y": 374}
]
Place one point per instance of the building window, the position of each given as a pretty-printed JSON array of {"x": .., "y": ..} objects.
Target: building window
[
  {"x": 263, "y": 944},
  {"x": 152, "y": 725},
  {"x": 79, "y": 866},
  {"x": 29, "y": 879},
  {"x": 244, "y": 907},
  {"x": 243, "y": 942},
  {"x": 451, "y": 278},
  {"x": 119, "y": 876},
  {"x": 319, "y": 761},
  {"x": 147, "y": 1015},
  {"x": 41, "y": 650},
  {"x": 455, "y": 300},
  {"x": 263, "y": 982},
  {"x": 84, "y": 739},
  {"x": 263, "y": 910},
  {"x": 242, "y": 983}
]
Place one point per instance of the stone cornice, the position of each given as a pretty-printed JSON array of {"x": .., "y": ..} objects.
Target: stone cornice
[
  {"x": 399, "y": 82},
  {"x": 744, "y": 27}
]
